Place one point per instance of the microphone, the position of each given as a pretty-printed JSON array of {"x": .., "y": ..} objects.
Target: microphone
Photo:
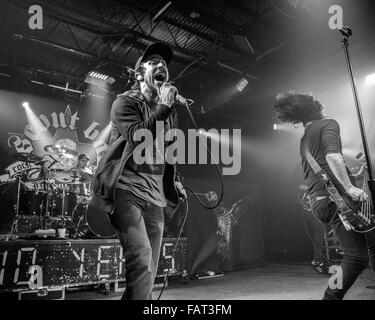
[
  {"x": 346, "y": 31},
  {"x": 181, "y": 100}
]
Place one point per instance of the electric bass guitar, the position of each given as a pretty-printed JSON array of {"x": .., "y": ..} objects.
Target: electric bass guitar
[{"x": 355, "y": 215}]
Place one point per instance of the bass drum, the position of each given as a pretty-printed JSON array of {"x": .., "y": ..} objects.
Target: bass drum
[
  {"x": 91, "y": 222},
  {"x": 98, "y": 223},
  {"x": 32, "y": 203}
]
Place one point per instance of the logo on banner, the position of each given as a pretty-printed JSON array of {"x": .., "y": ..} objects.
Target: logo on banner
[{"x": 54, "y": 129}]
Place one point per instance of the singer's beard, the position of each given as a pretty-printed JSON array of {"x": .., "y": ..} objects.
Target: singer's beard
[
  {"x": 152, "y": 89},
  {"x": 152, "y": 86}
]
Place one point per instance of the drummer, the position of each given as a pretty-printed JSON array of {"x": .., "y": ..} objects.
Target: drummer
[
  {"x": 83, "y": 165},
  {"x": 83, "y": 172}
]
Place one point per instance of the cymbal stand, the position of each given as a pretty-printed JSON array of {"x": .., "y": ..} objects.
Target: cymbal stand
[
  {"x": 14, "y": 229},
  {"x": 48, "y": 195},
  {"x": 63, "y": 205}
]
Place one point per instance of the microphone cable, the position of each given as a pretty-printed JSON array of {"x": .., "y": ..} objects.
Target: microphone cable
[
  {"x": 175, "y": 248},
  {"x": 197, "y": 198},
  {"x": 216, "y": 165}
]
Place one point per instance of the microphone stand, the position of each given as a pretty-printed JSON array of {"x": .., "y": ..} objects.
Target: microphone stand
[{"x": 347, "y": 32}]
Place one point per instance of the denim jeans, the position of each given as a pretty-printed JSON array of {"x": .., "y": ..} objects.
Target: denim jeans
[
  {"x": 139, "y": 226},
  {"x": 316, "y": 231},
  {"x": 358, "y": 248}
]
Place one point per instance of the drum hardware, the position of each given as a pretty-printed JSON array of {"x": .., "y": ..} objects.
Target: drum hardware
[
  {"x": 19, "y": 177},
  {"x": 14, "y": 229},
  {"x": 59, "y": 196},
  {"x": 47, "y": 204},
  {"x": 63, "y": 212},
  {"x": 78, "y": 224}
]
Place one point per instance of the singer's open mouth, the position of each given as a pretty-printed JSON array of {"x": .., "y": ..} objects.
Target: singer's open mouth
[{"x": 160, "y": 76}]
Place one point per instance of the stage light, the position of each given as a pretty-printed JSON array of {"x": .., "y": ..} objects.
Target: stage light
[
  {"x": 241, "y": 85},
  {"x": 105, "y": 133},
  {"x": 97, "y": 78},
  {"x": 370, "y": 80},
  {"x": 194, "y": 15},
  {"x": 98, "y": 75},
  {"x": 275, "y": 127},
  {"x": 36, "y": 126},
  {"x": 201, "y": 132}
]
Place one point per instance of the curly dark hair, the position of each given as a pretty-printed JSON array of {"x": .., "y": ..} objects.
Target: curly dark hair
[{"x": 294, "y": 107}]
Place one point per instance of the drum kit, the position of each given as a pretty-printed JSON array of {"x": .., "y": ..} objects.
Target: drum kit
[{"x": 58, "y": 198}]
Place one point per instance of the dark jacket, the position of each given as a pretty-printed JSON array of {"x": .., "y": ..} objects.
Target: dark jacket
[{"x": 129, "y": 113}]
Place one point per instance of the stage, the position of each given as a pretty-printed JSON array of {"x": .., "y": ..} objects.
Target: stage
[
  {"x": 271, "y": 282},
  {"x": 177, "y": 126}
]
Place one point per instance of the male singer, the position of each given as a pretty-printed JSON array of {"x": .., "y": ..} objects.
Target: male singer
[{"x": 135, "y": 194}]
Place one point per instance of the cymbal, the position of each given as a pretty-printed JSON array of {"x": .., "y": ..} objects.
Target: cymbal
[
  {"x": 68, "y": 153},
  {"x": 51, "y": 149},
  {"x": 62, "y": 175},
  {"x": 60, "y": 151},
  {"x": 26, "y": 157}
]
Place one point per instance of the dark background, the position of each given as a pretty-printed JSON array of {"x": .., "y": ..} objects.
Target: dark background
[{"x": 293, "y": 50}]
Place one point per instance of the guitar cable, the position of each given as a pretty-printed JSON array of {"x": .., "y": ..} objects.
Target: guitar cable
[{"x": 308, "y": 233}]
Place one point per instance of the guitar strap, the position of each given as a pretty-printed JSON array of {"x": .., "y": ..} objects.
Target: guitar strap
[
  {"x": 312, "y": 162},
  {"x": 317, "y": 168},
  {"x": 334, "y": 195}
]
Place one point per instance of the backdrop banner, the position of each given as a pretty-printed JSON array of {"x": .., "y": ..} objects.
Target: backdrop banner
[
  {"x": 230, "y": 237},
  {"x": 82, "y": 127}
]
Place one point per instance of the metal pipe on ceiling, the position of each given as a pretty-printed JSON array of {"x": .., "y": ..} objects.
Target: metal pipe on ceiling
[{"x": 17, "y": 36}]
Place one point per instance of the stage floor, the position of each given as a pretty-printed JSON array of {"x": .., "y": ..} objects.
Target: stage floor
[{"x": 272, "y": 282}]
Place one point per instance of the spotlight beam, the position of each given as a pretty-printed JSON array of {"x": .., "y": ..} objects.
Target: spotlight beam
[{"x": 370, "y": 80}]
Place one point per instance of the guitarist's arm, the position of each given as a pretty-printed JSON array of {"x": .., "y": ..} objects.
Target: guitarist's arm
[
  {"x": 331, "y": 141},
  {"x": 337, "y": 165}
]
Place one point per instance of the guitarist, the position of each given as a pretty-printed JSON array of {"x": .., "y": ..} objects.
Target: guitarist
[
  {"x": 322, "y": 139},
  {"x": 135, "y": 195}
]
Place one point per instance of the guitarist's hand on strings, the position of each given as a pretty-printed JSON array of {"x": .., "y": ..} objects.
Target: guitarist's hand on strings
[{"x": 356, "y": 194}]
